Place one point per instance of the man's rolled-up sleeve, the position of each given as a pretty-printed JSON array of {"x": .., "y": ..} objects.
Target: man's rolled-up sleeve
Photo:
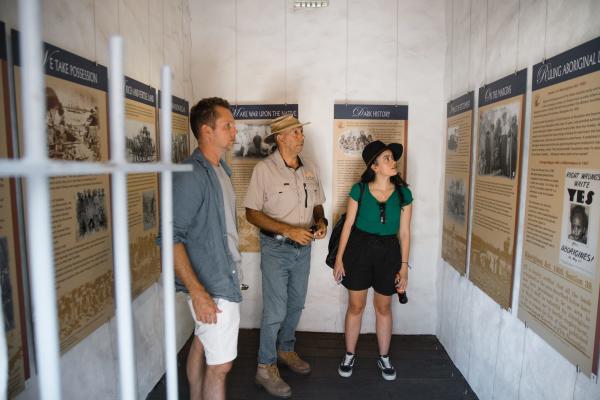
[
  {"x": 255, "y": 194},
  {"x": 188, "y": 196}
]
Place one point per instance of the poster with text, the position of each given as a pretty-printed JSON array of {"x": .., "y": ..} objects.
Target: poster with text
[
  {"x": 496, "y": 191},
  {"x": 77, "y": 129},
  {"x": 142, "y": 189},
  {"x": 355, "y": 126},
  {"x": 457, "y": 181},
  {"x": 180, "y": 129},
  {"x": 11, "y": 282},
  {"x": 560, "y": 276},
  {"x": 252, "y": 122}
]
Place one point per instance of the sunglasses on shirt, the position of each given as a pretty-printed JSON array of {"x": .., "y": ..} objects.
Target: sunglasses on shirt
[{"x": 381, "y": 212}]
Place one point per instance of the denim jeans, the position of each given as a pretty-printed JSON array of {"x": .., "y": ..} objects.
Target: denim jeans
[{"x": 285, "y": 270}]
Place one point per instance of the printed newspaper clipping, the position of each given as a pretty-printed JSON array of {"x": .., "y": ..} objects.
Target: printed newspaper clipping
[
  {"x": 182, "y": 139},
  {"x": 142, "y": 189},
  {"x": 253, "y": 125},
  {"x": 560, "y": 279},
  {"x": 10, "y": 277},
  {"x": 496, "y": 191},
  {"x": 77, "y": 128},
  {"x": 458, "y": 181}
]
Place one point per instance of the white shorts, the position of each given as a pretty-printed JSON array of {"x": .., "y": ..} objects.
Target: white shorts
[{"x": 220, "y": 339}]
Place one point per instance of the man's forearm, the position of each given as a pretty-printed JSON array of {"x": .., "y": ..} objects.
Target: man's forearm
[
  {"x": 318, "y": 213},
  {"x": 184, "y": 271},
  {"x": 264, "y": 222}
]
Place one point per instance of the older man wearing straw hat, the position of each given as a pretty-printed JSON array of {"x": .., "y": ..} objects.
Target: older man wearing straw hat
[{"x": 284, "y": 201}]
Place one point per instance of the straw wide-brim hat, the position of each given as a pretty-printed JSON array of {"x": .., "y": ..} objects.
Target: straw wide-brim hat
[
  {"x": 282, "y": 123},
  {"x": 374, "y": 149}
]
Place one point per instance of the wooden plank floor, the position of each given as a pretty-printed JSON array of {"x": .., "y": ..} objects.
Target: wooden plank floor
[{"x": 424, "y": 370}]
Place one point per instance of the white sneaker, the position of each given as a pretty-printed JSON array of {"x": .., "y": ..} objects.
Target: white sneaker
[
  {"x": 345, "y": 368},
  {"x": 387, "y": 369}
]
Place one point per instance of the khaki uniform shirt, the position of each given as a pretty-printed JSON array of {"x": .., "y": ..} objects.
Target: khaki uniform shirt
[{"x": 285, "y": 194}]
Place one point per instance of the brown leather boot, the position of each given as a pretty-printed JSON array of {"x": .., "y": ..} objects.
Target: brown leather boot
[
  {"x": 267, "y": 375},
  {"x": 293, "y": 362}
]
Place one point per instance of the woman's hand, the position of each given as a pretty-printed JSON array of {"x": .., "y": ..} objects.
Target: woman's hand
[
  {"x": 402, "y": 280},
  {"x": 338, "y": 270}
]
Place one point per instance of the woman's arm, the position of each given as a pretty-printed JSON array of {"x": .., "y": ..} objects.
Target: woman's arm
[
  {"x": 338, "y": 268},
  {"x": 404, "y": 236}
]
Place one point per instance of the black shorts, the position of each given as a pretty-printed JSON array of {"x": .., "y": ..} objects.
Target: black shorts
[{"x": 371, "y": 260}]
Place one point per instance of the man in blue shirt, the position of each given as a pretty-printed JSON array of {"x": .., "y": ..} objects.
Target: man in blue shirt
[{"x": 206, "y": 253}]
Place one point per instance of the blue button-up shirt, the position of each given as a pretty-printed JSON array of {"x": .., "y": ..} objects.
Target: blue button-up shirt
[{"x": 199, "y": 223}]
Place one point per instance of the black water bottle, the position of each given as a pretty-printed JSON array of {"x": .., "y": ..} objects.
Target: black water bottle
[{"x": 402, "y": 298}]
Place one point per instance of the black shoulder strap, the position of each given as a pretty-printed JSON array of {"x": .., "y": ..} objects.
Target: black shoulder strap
[
  {"x": 400, "y": 196},
  {"x": 362, "y": 191}
]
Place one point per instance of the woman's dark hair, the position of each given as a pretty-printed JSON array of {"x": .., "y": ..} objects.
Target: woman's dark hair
[{"x": 369, "y": 176}]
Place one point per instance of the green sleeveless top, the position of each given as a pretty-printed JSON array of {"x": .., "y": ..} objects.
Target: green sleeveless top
[{"x": 369, "y": 216}]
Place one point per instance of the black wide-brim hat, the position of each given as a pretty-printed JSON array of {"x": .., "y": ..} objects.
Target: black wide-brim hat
[{"x": 375, "y": 148}]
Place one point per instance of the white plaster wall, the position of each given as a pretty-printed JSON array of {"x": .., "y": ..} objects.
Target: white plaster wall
[
  {"x": 498, "y": 355},
  {"x": 154, "y": 32},
  {"x": 243, "y": 59}
]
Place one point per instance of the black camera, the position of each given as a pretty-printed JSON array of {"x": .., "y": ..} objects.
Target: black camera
[{"x": 402, "y": 298}]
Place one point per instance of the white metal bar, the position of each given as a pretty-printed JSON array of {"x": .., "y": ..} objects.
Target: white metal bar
[
  {"x": 127, "y": 375},
  {"x": 41, "y": 257},
  {"x": 32, "y": 81},
  {"x": 27, "y": 167},
  {"x": 166, "y": 214}
]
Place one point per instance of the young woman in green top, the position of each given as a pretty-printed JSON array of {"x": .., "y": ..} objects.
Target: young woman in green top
[{"x": 373, "y": 249}]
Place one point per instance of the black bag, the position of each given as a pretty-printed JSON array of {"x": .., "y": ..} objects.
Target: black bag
[{"x": 336, "y": 232}]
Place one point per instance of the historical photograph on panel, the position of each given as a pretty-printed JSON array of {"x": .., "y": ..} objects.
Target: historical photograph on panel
[
  {"x": 149, "y": 209},
  {"x": 498, "y": 141},
  {"x": 250, "y": 141},
  {"x": 76, "y": 119},
  {"x": 455, "y": 199},
  {"x": 180, "y": 147},
  {"x": 72, "y": 124},
  {"x": 248, "y": 234},
  {"x": 91, "y": 212},
  {"x": 579, "y": 234},
  {"x": 6, "y": 287},
  {"x": 452, "y": 142},
  {"x": 86, "y": 300},
  {"x": 139, "y": 142},
  {"x": 352, "y": 141}
]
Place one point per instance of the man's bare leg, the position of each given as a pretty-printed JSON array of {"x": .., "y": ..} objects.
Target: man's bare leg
[
  {"x": 195, "y": 368},
  {"x": 214, "y": 381}
]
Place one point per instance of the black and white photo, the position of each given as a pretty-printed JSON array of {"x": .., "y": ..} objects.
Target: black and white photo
[
  {"x": 452, "y": 143},
  {"x": 455, "y": 198},
  {"x": 250, "y": 141},
  {"x": 141, "y": 147},
  {"x": 72, "y": 125},
  {"x": 498, "y": 144},
  {"x": 353, "y": 140},
  {"x": 91, "y": 212},
  {"x": 149, "y": 209},
  {"x": 6, "y": 287},
  {"x": 179, "y": 147}
]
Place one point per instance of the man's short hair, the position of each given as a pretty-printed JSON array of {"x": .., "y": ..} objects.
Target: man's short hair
[{"x": 205, "y": 113}]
